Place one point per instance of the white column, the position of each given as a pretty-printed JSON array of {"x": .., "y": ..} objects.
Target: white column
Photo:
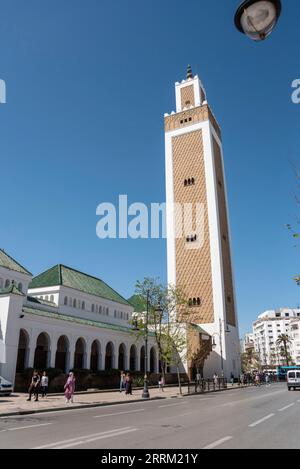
[
  {"x": 88, "y": 351},
  {"x": 71, "y": 354}
]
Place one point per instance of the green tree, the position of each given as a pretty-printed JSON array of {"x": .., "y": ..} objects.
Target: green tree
[
  {"x": 163, "y": 306},
  {"x": 283, "y": 342}
]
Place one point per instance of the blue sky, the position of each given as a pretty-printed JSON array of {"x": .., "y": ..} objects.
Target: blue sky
[{"x": 88, "y": 83}]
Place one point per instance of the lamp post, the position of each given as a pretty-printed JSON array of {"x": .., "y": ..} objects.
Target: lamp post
[
  {"x": 257, "y": 18},
  {"x": 220, "y": 341},
  {"x": 146, "y": 394}
]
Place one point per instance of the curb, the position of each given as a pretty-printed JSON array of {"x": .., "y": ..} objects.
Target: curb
[
  {"x": 81, "y": 406},
  {"x": 106, "y": 404}
]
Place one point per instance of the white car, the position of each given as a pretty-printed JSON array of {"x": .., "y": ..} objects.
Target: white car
[
  {"x": 293, "y": 379},
  {"x": 6, "y": 387}
]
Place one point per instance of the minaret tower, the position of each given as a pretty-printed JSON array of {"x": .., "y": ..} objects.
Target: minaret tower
[{"x": 199, "y": 260}]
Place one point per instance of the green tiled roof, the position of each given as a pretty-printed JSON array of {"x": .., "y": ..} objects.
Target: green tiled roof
[
  {"x": 11, "y": 290},
  {"x": 9, "y": 263},
  {"x": 68, "y": 277},
  {"x": 138, "y": 303},
  {"x": 84, "y": 322},
  {"x": 198, "y": 328}
]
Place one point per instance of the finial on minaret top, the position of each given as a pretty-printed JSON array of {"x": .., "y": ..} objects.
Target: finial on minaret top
[{"x": 189, "y": 73}]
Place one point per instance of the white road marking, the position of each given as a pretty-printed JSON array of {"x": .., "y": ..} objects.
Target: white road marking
[
  {"x": 242, "y": 401},
  {"x": 218, "y": 442},
  {"x": 83, "y": 437},
  {"x": 286, "y": 407},
  {"x": 23, "y": 428},
  {"x": 184, "y": 415},
  {"x": 84, "y": 442},
  {"x": 118, "y": 413},
  {"x": 171, "y": 405},
  {"x": 261, "y": 420}
]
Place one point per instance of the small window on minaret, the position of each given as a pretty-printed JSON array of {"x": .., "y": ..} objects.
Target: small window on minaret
[{"x": 229, "y": 299}]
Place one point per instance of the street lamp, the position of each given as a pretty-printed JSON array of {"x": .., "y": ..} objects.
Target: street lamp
[
  {"x": 257, "y": 18},
  {"x": 220, "y": 341}
]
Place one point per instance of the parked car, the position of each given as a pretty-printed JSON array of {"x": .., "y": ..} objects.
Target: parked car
[
  {"x": 6, "y": 387},
  {"x": 293, "y": 379}
]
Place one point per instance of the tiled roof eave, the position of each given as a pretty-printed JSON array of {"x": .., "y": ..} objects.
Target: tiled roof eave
[{"x": 73, "y": 319}]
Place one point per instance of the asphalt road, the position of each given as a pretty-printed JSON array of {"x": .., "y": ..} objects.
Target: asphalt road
[{"x": 265, "y": 417}]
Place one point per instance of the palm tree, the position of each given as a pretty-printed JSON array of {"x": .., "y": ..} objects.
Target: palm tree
[{"x": 283, "y": 342}]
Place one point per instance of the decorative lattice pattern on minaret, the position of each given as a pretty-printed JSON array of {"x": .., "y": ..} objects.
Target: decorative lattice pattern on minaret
[
  {"x": 224, "y": 233},
  {"x": 187, "y": 96},
  {"x": 193, "y": 266}
]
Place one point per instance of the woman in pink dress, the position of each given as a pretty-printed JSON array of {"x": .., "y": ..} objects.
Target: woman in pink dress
[{"x": 70, "y": 388}]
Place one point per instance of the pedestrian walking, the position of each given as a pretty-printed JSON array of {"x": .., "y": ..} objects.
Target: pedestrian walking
[
  {"x": 70, "y": 388},
  {"x": 34, "y": 386},
  {"x": 216, "y": 380},
  {"x": 122, "y": 381},
  {"x": 44, "y": 384},
  {"x": 232, "y": 379},
  {"x": 161, "y": 383},
  {"x": 257, "y": 380},
  {"x": 128, "y": 384},
  {"x": 267, "y": 379}
]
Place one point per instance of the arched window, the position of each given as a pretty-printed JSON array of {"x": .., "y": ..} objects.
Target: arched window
[
  {"x": 100, "y": 309},
  {"x": 93, "y": 308},
  {"x": 83, "y": 305},
  {"x": 61, "y": 356},
  {"x": 42, "y": 352},
  {"x": 109, "y": 356},
  {"x": 95, "y": 353},
  {"x": 66, "y": 301},
  {"x": 79, "y": 354},
  {"x": 7, "y": 283},
  {"x": 74, "y": 303},
  {"x": 152, "y": 360},
  {"x": 133, "y": 356},
  {"x": 22, "y": 350},
  {"x": 107, "y": 311},
  {"x": 52, "y": 298},
  {"x": 121, "y": 357},
  {"x": 20, "y": 286},
  {"x": 47, "y": 298}
]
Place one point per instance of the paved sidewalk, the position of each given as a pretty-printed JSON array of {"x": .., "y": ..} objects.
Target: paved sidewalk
[{"x": 16, "y": 404}]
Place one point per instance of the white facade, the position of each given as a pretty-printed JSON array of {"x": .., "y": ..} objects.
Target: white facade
[
  {"x": 247, "y": 342},
  {"x": 295, "y": 338},
  {"x": 227, "y": 348},
  {"x": 266, "y": 330},
  {"x": 62, "y": 327}
]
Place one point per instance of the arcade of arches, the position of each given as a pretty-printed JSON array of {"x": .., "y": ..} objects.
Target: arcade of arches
[{"x": 42, "y": 354}]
